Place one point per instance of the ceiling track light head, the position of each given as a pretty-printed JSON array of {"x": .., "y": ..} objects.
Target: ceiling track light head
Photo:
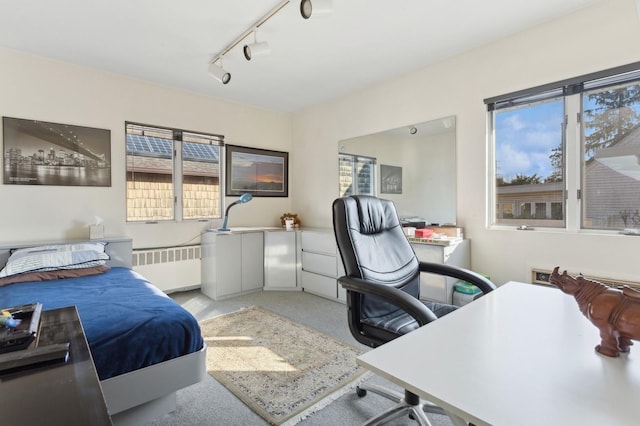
[
  {"x": 315, "y": 8},
  {"x": 246, "y": 50},
  {"x": 219, "y": 73},
  {"x": 255, "y": 49}
]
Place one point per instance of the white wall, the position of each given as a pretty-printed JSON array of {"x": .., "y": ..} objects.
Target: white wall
[
  {"x": 33, "y": 87},
  {"x": 600, "y": 37}
]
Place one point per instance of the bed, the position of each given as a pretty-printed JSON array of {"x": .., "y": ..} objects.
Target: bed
[{"x": 144, "y": 345}]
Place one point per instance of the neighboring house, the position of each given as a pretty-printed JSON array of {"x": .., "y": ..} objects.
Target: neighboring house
[
  {"x": 539, "y": 203},
  {"x": 612, "y": 189}
]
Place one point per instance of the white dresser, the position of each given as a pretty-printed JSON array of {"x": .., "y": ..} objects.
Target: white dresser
[
  {"x": 321, "y": 264},
  {"x": 232, "y": 263},
  {"x": 248, "y": 259},
  {"x": 308, "y": 259},
  {"x": 435, "y": 287}
]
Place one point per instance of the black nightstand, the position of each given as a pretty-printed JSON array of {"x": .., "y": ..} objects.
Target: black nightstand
[{"x": 65, "y": 393}]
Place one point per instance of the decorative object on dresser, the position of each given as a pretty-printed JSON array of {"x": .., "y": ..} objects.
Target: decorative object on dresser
[
  {"x": 281, "y": 369},
  {"x": 615, "y": 312},
  {"x": 290, "y": 216}
]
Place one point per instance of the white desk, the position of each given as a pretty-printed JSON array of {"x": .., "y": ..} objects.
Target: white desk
[{"x": 521, "y": 355}]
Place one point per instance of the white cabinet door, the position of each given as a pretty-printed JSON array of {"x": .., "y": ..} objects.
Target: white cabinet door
[
  {"x": 232, "y": 263},
  {"x": 208, "y": 265},
  {"x": 280, "y": 263},
  {"x": 252, "y": 268},
  {"x": 229, "y": 264}
]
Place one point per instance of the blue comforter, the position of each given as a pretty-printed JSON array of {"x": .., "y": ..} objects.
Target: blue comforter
[{"x": 128, "y": 322}]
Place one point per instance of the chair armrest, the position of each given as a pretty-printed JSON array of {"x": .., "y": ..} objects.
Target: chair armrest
[
  {"x": 474, "y": 278},
  {"x": 392, "y": 295}
]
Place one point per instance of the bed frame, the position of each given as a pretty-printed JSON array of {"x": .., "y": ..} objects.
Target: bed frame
[{"x": 142, "y": 395}]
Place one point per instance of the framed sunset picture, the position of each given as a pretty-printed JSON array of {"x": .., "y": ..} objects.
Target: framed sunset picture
[{"x": 260, "y": 172}]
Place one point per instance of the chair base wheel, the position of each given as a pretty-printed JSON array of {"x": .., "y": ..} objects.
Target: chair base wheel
[{"x": 409, "y": 404}]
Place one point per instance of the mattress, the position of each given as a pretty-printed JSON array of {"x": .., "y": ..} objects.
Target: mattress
[{"x": 128, "y": 322}]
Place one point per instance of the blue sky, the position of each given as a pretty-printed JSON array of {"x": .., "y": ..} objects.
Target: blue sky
[
  {"x": 525, "y": 138},
  {"x": 526, "y": 135}
]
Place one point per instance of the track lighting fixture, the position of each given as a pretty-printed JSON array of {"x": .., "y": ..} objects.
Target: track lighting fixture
[
  {"x": 219, "y": 73},
  {"x": 315, "y": 8},
  {"x": 307, "y": 9},
  {"x": 255, "y": 49}
]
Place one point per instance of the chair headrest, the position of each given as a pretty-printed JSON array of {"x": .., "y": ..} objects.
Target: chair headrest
[{"x": 374, "y": 218}]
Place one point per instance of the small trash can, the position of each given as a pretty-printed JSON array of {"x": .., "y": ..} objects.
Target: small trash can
[{"x": 464, "y": 292}]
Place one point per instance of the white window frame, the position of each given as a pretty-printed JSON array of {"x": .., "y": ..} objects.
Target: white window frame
[
  {"x": 571, "y": 90},
  {"x": 178, "y": 175}
]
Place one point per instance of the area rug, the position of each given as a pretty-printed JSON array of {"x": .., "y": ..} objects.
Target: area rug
[{"x": 281, "y": 369}]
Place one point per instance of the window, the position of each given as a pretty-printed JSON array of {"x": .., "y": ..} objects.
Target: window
[
  {"x": 567, "y": 154},
  {"x": 172, "y": 174},
  {"x": 356, "y": 174},
  {"x": 528, "y": 162}
]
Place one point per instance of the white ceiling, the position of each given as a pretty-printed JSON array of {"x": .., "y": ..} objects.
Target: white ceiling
[{"x": 171, "y": 42}]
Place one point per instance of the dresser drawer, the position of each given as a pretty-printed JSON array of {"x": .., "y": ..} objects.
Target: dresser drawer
[
  {"x": 319, "y": 242},
  {"x": 320, "y": 264},
  {"x": 320, "y": 285},
  {"x": 342, "y": 294}
]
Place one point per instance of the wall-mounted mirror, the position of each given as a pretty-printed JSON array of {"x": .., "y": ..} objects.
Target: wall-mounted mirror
[{"x": 414, "y": 166}]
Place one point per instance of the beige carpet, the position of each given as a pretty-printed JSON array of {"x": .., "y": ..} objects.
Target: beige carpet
[{"x": 281, "y": 369}]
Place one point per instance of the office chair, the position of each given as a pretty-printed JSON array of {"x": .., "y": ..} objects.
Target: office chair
[{"x": 383, "y": 287}]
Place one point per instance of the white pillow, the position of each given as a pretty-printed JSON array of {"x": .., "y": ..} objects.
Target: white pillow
[
  {"x": 98, "y": 246},
  {"x": 48, "y": 258}
]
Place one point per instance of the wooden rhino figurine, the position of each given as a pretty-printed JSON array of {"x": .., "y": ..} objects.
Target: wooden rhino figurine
[{"x": 615, "y": 312}]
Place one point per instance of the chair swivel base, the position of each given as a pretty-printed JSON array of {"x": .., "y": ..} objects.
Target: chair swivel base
[{"x": 409, "y": 404}]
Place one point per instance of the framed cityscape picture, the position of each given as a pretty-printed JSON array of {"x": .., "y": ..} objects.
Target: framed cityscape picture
[
  {"x": 260, "y": 172},
  {"x": 43, "y": 153}
]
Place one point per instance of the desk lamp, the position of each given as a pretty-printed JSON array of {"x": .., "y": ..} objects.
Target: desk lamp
[{"x": 244, "y": 198}]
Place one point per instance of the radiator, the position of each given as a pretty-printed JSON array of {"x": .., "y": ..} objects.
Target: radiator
[
  {"x": 542, "y": 276},
  {"x": 169, "y": 268}
]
